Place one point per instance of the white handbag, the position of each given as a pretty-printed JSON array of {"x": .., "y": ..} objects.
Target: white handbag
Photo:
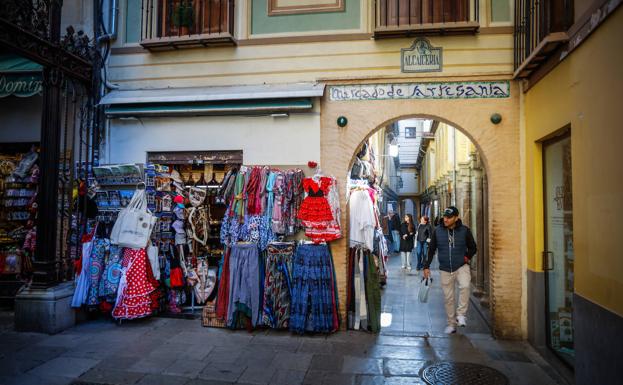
[
  {"x": 424, "y": 289},
  {"x": 135, "y": 223}
]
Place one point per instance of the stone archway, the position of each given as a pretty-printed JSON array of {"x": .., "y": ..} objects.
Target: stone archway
[{"x": 499, "y": 146}]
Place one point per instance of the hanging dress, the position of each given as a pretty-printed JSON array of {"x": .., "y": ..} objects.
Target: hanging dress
[
  {"x": 134, "y": 300},
  {"x": 96, "y": 267},
  {"x": 315, "y": 212},
  {"x": 109, "y": 283}
]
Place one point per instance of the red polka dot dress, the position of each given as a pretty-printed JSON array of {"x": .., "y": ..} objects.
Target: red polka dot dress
[{"x": 133, "y": 297}]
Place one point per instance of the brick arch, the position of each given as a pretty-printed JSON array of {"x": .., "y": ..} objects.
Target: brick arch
[{"x": 499, "y": 147}]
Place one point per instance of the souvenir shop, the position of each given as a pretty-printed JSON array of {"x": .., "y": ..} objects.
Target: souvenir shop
[
  {"x": 367, "y": 272},
  {"x": 20, "y": 108},
  {"x": 199, "y": 233}
]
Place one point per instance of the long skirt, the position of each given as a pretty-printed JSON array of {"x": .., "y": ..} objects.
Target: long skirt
[
  {"x": 244, "y": 284},
  {"x": 109, "y": 282},
  {"x": 277, "y": 297},
  {"x": 314, "y": 306},
  {"x": 96, "y": 267}
]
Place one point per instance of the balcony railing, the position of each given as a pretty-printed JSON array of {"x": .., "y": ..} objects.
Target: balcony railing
[
  {"x": 540, "y": 27},
  {"x": 169, "y": 24},
  {"x": 396, "y": 18}
]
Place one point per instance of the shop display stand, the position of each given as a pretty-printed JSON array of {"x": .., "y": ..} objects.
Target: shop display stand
[
  {"x": 15, "y": 195},
  {"x": 162, "y": 187}
]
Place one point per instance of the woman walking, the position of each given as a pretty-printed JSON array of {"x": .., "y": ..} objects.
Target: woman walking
[
  {"x": 407, "y": 232},
  {"x": 422, "y": 238}
]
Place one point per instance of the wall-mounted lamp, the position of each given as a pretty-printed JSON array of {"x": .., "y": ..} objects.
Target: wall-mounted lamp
[
  {"x": 496, "y": 118},
  {"x": 342, "y": 121}
]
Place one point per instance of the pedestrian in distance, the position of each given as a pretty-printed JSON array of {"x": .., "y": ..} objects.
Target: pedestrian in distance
[
  {"x": 422, "y": 239},
  {"x": 407, "y": 233},
  {"x": 455, "y": 247},
  {"x": 394, "y": 226}
]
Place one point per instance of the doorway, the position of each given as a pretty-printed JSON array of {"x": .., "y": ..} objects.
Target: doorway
[
  {"x": 418, "y": 161},
  {"x": 558, "y": 256}
]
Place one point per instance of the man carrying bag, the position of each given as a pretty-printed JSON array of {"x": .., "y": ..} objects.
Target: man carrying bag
[{"x": 455, "y": 246}]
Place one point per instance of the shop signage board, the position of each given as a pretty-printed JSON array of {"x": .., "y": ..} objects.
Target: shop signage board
[
  {"x": 20, "y": 85},
  {"x": 440, "y": 90},
  {"x": 421, "y": 57}
]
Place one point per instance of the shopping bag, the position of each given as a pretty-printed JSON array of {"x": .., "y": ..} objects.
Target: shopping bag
[
  {"x": 136, "y": 198},
  {"x": 136, "y": 224},
  {"x": 424, "y": 288}
]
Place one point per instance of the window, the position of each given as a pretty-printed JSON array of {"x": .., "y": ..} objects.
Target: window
[
  {"x": 171, "y": 24},
  {"x": 501, "y": 11},
  {"x": 410, "y": 132}
]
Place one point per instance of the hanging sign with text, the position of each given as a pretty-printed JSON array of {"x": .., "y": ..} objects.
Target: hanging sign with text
[
  {"x": 421, "y": 57},
  {"x": 445, "y": 90}
]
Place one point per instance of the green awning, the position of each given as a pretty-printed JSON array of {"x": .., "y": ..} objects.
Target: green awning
[
  {"x": 10, "y": 63},
  {"x": 233, "y": 107}
]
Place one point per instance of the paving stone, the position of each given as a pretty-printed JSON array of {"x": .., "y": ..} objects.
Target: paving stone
[
  {"x": 369, "y": 380},
  {"x": 222, "y": 371},
  {"x": 402, "y": 341},
  {"x": 185, "y": 368},
  {"x": 64, "y": 367},
  {"x": 10, "y": 366},
  {"x": 315, "y": 346},
  {"x": 117, "y": 362},
  {"x": 319, "y": 377},
  {"x": 258, "y": 356},
  {"x": 409, "y": 368},
  {"x": 258, "y": 376},
  {"x": 287, "y": 377},
  {"x": 39, "y": 353},
  {"x": 327, "y": 362},
  {"x": 292, "y": 361},
  {"x": 359, "y": 365},
  {"x": 224, "y": 354},
  {"x": 199, "y": 381},
  {"x": 403, "y": 381},
  {"x": 151, "y": 365},
  {"x": 461, "y": 355},
  {"x": 162, "y": 379},
  {"x": 402, "y": 352},
  {"x": 31, "y": 379},
  {"x": 110, "y": 376},
  {"x": 501, "y": 355},
  {"x": 346, "y": 349},
  {"x": 67, "y": 341},
  {"x": 453, "y": 342}
]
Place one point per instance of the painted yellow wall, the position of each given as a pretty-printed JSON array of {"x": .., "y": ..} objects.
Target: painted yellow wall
[{"x": 584, "y": 91}]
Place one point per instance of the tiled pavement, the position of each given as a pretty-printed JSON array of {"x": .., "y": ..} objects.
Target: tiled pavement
[{"x": 167, "y": 351}]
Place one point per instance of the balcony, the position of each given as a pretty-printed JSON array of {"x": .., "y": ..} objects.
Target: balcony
[
  {"x": 174, "y": 24},
  {"x": 405, "y": 18},
  {"x": 540, "y": 28}
]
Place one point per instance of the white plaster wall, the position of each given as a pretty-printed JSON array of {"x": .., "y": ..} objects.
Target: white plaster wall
[
  {"x": 264, "y": 140},
  {"x": 409, "y": 185},
  {"x": 20, "y": 119}
]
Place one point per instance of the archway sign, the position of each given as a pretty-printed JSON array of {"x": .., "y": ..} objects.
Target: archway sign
[{"x": 466, "y": 105}]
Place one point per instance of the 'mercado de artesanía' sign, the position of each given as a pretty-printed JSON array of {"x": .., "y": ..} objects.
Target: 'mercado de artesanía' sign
[{"x": 441, "y": 90}]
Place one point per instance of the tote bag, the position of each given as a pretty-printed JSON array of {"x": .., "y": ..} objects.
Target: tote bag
[
  {"x": 114, "y": 234},
  {"x": 424, "y": 289},
  {"x": 136, "y": 224}
]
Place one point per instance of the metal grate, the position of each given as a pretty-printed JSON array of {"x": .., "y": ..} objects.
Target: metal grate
[{"x": 450, "y": 373}]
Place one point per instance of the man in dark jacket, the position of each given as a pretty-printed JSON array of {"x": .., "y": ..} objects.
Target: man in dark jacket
[
  {"x": 394, "y": 227},
  {"x": 455, "y": 247}
]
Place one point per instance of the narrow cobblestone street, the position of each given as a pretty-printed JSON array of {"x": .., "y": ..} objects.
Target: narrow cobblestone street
[{"x": 171, "y": 351}]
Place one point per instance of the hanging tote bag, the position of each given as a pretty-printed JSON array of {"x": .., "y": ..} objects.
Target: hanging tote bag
[
  {"x": 116, "y": 230},
  {"x": 424, "y": 288},
  {"x": 136, "y": 224}
]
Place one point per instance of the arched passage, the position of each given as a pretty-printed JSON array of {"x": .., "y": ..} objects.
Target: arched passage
[{"x": 499, "y": 147}]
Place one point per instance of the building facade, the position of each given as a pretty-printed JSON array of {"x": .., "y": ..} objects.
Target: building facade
[{"x": 271, "y": 79}]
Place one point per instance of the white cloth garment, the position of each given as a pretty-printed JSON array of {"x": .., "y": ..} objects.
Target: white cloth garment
[{"x": 362, "y": 219}]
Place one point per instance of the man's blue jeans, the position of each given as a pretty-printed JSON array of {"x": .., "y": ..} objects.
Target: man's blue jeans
[
  {"x": 396, "y": 243},
  {"x": 421, "y": 248}
]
